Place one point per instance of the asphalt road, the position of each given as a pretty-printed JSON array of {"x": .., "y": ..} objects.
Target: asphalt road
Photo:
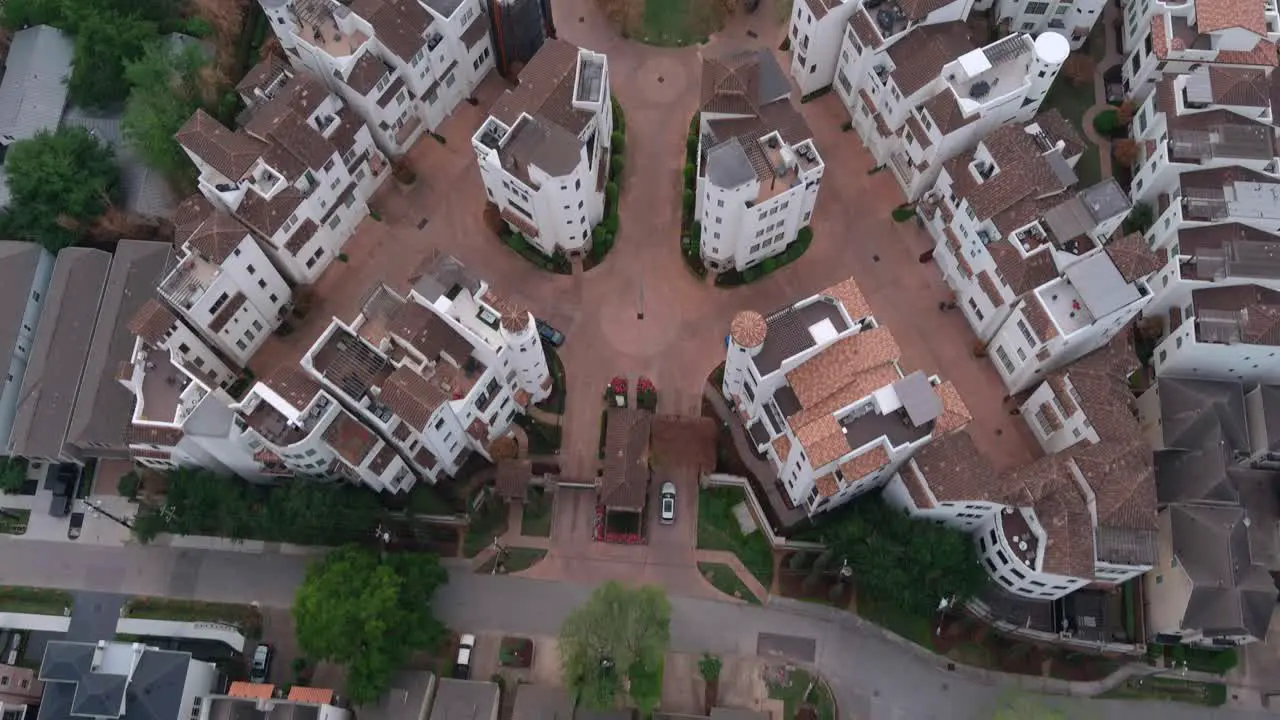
[{"x": 873, "y": 678}]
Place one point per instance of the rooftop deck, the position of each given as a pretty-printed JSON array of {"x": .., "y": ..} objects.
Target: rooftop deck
[
  {"x": 983, "y": 75},
  {"x": 188, "y": 281},
  {"x": 162, "y": 386},
  {"x": 351, "y": 364},
  {"x": 792, "y": 331},
  {"x": 895, "y": 426},
  {"x": 272, "y": 424},
  {"x": 1017, "y": 532},
  {"x": 319, "y": 27},
  {"x": 1065, "y": 305},
  {"x": 786, "y": 169}
]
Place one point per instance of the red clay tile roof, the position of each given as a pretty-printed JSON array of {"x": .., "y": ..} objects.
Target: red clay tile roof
[
  {"x": 293, "y": 385},
  {"x": 916, "y": 488},
  {"x": 1245, "y": 87},
  {"x": 545, "y": 89},
  {"x": 860, "y": 466},
  {"x": 1215, "y": 15},
  {"x": 1058, "y": 383},
  {"x": 318, "y": 696},
  {"x": 512, "y": 478},
  {"x": 849, "y": 295},
  {"x": 401, "y": 25},
  {"x": 955, "y": 414},
  {"x": 515, "y": 317},
  {"x": 1133, "y": 257},
  {"x": 823, "y": 374},
  {"x": 230, "y": 153},
  {"x": 866, "y": 30},
  {"x": 782, "y": 446},
  {"x": 253, "y": 691},
  {"x": 989, "y": 289},
  {"x": 262, "y": 74},
  {"x": 301, "y": 236},
  {"x": 366, "y": 73},
  {"x": 822, "y": 440},
  {"x": 918, "y": 58},
  {"x": 957, "y": 250},
  {"x": 954, "y": 469},
  {"x": 217, "y": 237},
  {"x": 1022, "y": 274},
  {"x": 944, "y": 110},
  {"x": 827, "y": 485},
  {"x": 1038, "y": 318},
  {"x": 1057, "y": 127},
  {"x": 748, "y": 329},
  {"x": 152, "y": 321},
  {"x": 624, "y": 482},
  {"x": 189, "y": 216},
  {"x": 412, "y": 397},
  {"x": 266, "y": 215}
]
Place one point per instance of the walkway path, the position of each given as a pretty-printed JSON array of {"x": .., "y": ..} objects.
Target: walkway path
[{"x": 1111, "y": 15}]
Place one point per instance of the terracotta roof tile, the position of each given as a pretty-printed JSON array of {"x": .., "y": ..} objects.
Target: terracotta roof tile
[
  {"x": 857, "y": 387},
  {"x": 1058, "y": 383},
  {"x": 782, "y": 446},
  {"x": 954, "y": 469},
  {"x": 254, "y": 691},
  {"x": 823, "y": 374},
  {"x": 412, "y": 397},
  {"x": 989, "y": 289},
  {"x": 822, "y": 440},
  {"x": 1038, "y": 318},
  {"x": 944, "y": 110},
  {"x": 262, "y": 74},
  {"x": 230, "y": 153},
  {"x": 919, "y": 56},
  {"x": 860, "y": 466},
  {"x": 849, "y": 295},
  {"x": 748, "y": 329},
  {"x": 916, "y": 488},
  {"x": 624, "y": 482},
  {"x": 217, "y": 237},
  {"x": 827, "y": 485},
  {"x": 1256, "y": 308},
  {"x": 515, "y": 317},
  {"x": 512, "y": 478},
  {"x": 152, "y": 322},
  {"x": 1023, "y": 170},
  {"x": 293, "y": 384},
  {"x": 366, "y": 72},
  {"x": 1133, "y": 257},
  {"x": 866, "y": 30},
  {"x": 1057, "y": 127},
  {"x": 154, "y": 435},
  {"x": 1245, "y": 87},
  {"x": 401, "y": 25},
  {"x": 955, "y": 414},
  {"x": 1022, "y": 273},
  {"x": 227, "y": 312},
  {"x": 545, "y": 89},
  {"x": 318, "y": 696},
  {"x": 1215, "y": 15}
]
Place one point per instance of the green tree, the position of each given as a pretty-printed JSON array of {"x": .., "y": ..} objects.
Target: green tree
[
  {"x": 13, "y": 473},
  {"x": 908, "y": 563},
  {"x": 60, "y": 182},
  {"x": 369, "y": 613},
  {"x": 616, "y": 640},
  {"x": 709, "y": 667},
  {"x": 105, "y": 43},
  {"x": 166, "y": 91}
]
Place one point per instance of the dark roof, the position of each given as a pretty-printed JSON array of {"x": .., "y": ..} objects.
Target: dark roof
[
  {"x": 1256, "y": 311},
  {"x": 918, "y": 58},
  {"x": 401, "y": 25},
  {"x": 513, "y": 479},
  {"x": 1232, "y": 595},
  {"x": 366, "y": 72},
  {"x": 73, "y": 689},
  {"x": 1023, "y": 171},
  {"x": 429, "y": 333},
  {"x": 477, "y": 31},
  {"x": 945, "y": 111},
  {"x": 545, "y": 145},
  {"x": 742, "y": 82},
  {"x": 464, "y": 700},
  {"x": 542, "y": 702},
  {"x": 545, "y": 90},
  {"x": 1058, "y": 128},
  {"x": 103, "y": 406},
  {"x": 1205, "y": 430},
  {"x": 230, "y": 153},
  {"x": 58, "y": 352},
  {"x": 625, "y": 482}
]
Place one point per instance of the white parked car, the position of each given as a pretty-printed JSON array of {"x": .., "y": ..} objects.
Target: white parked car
[
  {"x": 667, "y": 514},
  {"x": 462, "y": 667}
]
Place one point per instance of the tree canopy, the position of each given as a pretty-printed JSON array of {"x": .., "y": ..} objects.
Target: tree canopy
[
  {"x": 166, "y": 92},
  {"x": 615, "y": 641},
  {"x": 913, "y": 564},
  {"x": 60, "y": 182},
  {"x": 13, "y": 474},
  {"x": 370, "y": 613},
  {"x": 200, "y": 502}
]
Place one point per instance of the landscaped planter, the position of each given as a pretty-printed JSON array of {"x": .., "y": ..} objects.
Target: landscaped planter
[{"x": 515, "y": 652}]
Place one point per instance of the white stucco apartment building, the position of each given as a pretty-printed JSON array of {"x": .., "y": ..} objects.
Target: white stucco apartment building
[
  {"x": 1036, "y": 266},
  {"x": 922, "y": 98},
  {"x": 1072, "y": 19},
  {"x": 1083, "y": 514},
  {"x": 297, "y": 173},
  {"x": 544, "y": 149},
  {"x": 822, "y": 394},
  {"x": 758, "y": 171},
  {"x": 402, "y": 65},
  {"x": 439, "y": 374},
  {"x": 221, "y": 282},
  {"x": 1162, "y": 39}
]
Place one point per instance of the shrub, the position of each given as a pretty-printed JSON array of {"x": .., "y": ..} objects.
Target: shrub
[
  {"x": 688, "y": 203},
  {"x": 1139, "y": 220},
  {"x": 611, "y": 223},
  {"x": 846, "y": 126},
  {"x": 610, "y": 194},
  {"x": 786, "y": 44},
  {"x": 903, "y": 213},
  {"x": 197, "y": 27},
  {"x": 343, "y": 257},
  {"x": 1108, "y": 124},
  {"x": 690, "y": 171},
  {"x": 805, "y": 235},
  {"x": 619, "y": 117},
  {"x": 617, "y": 142},
  {"x": 129, "y": 484},
  {"x": 695, "y": 234}
]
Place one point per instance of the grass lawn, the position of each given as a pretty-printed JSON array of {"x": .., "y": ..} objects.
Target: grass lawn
[
  {"x": 14, "y": 521},
  {"x": 1072, "y": 101},
  {"x": 679, "y": 22},
  {"x": 1162, "y": 688},
  {"x": 425, "y": 499},
  {"x": 518, "y": 558},
  {"x": 544, "y": 439},
  {"x": 727, "y": 581},
  {"x": 39, "y": 601},
  {"x": 918, "y": 630},
  {"x": 800, "y": 689},
  {"x": 718, "y": 530},
  {"x": 245, "y": 617},
  {"x": 537, "y": 514},
  {"x": 485, "y": 525}
]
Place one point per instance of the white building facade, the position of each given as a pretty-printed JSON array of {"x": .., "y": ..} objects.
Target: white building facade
[
  {"x": 544, "y": 149},
  {"x": 402, "y": 65}
]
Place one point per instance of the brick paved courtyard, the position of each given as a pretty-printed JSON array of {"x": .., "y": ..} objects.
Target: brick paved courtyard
[{"x": 680, "y": 338}]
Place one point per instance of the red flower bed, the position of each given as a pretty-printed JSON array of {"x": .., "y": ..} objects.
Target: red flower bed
[{"x": 618, "y": 385}]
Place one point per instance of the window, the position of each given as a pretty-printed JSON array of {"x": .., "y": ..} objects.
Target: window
[
  {"x": 184, "y": 348},
  {"x": 719, "y": 203},
  {"x": 1026, "y": 333},
  {"x": 1037, "y": 8},
  {"x": 755, "y": 248},
  {"x": 240, "y": 344},
  {"x": 1028, "y": 27},
  {"x": 449, "y": 80},
  {"x": 257, "y": 326},
  {"x": 1004, "y": 359},
  {"x": 1061, "y": 9},
  {"x": 274, "y": 298},
  {"x": 977, "y": 312}
]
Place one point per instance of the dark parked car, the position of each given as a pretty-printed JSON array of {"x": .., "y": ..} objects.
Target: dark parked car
[
  {"x": 64, "y": 482},
  {"x": 261, "y": 665},
  {"x": 77, "y": 522},
  {"x": 550, "y": 334}
]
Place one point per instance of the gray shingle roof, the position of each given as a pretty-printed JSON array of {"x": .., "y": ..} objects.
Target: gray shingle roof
[
  {"x": 145, "y": 190},
  {"x": 58, "y": 353},
  {"x": 72, "y": 689},
  {"x": 1231, "y": 595},
  {"x": 33, "y": 92},
  {"x": 103, "y": 406}
]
